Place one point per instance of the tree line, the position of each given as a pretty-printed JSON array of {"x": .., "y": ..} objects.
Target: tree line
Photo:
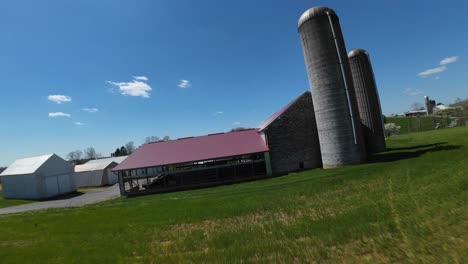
[
  {"x": 86, "y": 154},
  {"x": 128, "y": 149},
  {"x": 77, "y": 156}
]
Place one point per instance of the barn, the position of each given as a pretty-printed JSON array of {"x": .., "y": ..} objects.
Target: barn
[
  {"x": 195, "y": 162},
  {"x": 292, "y": 138},
  {"x": 97, "y": 172},
  {"x": 37, "y": 178}
]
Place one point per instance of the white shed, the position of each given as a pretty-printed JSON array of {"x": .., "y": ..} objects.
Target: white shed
[
  {"x": 37, "y": 178},
  {"x": 97, "y": 172}
]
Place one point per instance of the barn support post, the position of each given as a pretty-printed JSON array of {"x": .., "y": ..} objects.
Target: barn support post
[
  {"x": 267, "y": 163},
  {"x": 121, "y": 183}
]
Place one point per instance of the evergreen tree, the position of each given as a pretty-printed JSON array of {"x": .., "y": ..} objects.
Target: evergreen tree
[{"x": 123, "y": 151}]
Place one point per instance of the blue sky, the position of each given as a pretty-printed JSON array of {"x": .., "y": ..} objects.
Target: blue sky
[{"x": 197, "y": 67}]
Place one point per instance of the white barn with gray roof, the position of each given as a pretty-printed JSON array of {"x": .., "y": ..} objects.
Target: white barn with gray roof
[
  {"x": 37, "y": 178},
  {"x": 97, "y": 172}
]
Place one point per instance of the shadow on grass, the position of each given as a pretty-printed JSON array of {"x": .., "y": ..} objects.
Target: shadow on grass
[
  {"x": 418, "y": 147},
  {"x": 419, "y": 150},
  {"x": 64, "y": 196}
]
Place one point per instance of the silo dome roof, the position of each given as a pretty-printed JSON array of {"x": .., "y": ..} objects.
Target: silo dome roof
[
  {"x": 315, "y": 12},
  {"x": 357, "y": 52}
]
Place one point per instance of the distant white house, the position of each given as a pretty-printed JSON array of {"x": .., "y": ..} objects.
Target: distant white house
[
  {"x": 443, "y": 108},
  {"x": 97, "y": 172},
  {"x": 37, "y": 178}
]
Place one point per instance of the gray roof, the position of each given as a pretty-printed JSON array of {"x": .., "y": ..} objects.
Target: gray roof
[
  {"x": 444, "y": 107},
  {"x": 26, "y": 165},
  {"x": 315, "y": 12},
  {"x": 99, "y": 164}
]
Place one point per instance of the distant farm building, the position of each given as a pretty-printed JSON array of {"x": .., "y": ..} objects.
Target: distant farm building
[
  {"x": 291, "y": 135},
  {"x": 416, "y": 113},
  {"x": 441, "y": 109},
  {"x": 37, "y": 178},
  {"x": 430, "y": 104},
  {"x": 194, "y": 162},
  {"x": 97, "y": 172},
  {"x": 433, "y": 108}
]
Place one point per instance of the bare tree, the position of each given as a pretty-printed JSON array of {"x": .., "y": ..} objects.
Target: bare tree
[
  {"x": 130, "y": 147},
  {"x": 75, "y": 156},
  {"x": 90, "y": 153},
  {"x": 417, "y": 106},
  {"x": 457, "y": 101},
  {"x": 151, "y": 139}
]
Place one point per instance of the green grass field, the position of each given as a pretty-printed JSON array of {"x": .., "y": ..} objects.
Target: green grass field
[{"x": 408, "y": 205}]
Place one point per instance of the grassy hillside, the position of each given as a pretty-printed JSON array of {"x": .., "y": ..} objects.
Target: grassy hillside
[
  {"x": 407, "y": 205},
  {"x": 417, "y": 124}
]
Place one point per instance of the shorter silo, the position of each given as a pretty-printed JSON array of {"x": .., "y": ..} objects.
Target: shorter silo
[{"x": 368, "y": 101}]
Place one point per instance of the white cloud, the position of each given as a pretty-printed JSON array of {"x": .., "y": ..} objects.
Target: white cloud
[
  {"x": 79, "y": 124},
  {"x": 449, "y": 60},
  {"x": 91, "y": 110},
  {"x": 412, "y": 91},
  {"x": 58, "y": 98},
  {"x": 184, "y": 84},
  {"x": 428, "y": 72},
  {"x": 133, "y": 88},
  {"x": 437, "y": 77},
  {"x": 236, "y": 123},
  {"x": 218, "y": 113},
  {"x": 141, "y": 78},
  {"x": 59, "y": 114}
]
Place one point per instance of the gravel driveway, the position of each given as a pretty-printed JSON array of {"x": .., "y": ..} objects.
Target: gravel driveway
[{"x": 92, "y": 196}]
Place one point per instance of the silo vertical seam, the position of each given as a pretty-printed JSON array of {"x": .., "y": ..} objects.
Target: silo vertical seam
[{"x": 344, "y": 78}]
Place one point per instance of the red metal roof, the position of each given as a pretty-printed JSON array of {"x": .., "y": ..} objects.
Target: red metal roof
[
  {"x": 209, "y": 147},
  {"x": 277, "y": 114}
]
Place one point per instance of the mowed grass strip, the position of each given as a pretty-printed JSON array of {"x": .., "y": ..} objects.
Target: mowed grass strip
[{"x": 407, "y": 205}]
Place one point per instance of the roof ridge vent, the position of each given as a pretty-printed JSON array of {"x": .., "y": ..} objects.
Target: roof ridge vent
[
  {"x": 216, "y": 134},
  {"x": 184, "y": 138}
]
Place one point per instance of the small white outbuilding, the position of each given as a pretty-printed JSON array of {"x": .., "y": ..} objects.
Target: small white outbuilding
[
  {"x": 97, "y": 172},
  {"x": 37, "y": 178}
]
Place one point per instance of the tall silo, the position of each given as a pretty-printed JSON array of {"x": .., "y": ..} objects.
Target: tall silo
[
  {"x": 368, "y": 101},
  {"x": 338, "y": 125}
]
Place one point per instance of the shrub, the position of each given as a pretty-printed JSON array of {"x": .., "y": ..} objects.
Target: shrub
[{"x": 391, "y": 129}]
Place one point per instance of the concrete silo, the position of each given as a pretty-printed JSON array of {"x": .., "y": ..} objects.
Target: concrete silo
[
  {"x": 368, "y": 101},
  {"x": 338, "y": 125}
]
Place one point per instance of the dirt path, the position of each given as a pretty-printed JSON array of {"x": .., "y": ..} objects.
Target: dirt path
[{"x": 94, "y": 196}]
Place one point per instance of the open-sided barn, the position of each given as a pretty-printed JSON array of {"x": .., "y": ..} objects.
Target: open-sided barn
[
  {"x": 97, "y": 172},
  {"x": 195, "y": 162},
  {"x": 37, "y": 178}
]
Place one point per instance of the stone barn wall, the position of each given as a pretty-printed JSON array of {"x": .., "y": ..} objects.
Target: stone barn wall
[{"x": 293, "y": 138}]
